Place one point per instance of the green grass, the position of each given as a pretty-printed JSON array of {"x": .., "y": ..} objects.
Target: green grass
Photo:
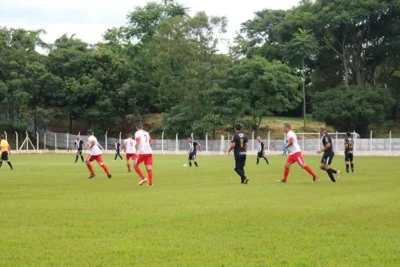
[{"x": 52, "y": 215}]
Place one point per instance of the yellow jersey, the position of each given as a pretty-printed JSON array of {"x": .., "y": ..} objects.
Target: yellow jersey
[{"x": 4, "y": 146}]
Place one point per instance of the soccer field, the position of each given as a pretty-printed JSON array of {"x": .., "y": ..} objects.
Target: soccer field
[{"x": 52, "y": 215}]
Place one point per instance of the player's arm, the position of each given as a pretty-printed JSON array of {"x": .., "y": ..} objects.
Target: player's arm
[
  {"x": 246, "y": 145},
  {"x": 138, "y": 141},
  {"x": 326, "y": 147},
  {"x": 91, "y": 144},
  {"x": 232, "y": 147},
  {"x": 290, "y": 142}
]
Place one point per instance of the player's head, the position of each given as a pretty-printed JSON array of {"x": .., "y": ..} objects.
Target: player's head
[
  {"x": 190, "y": 139},
  {"x": 2, "y": 137},
  {"x": 348, "y": 134},
  {"x": 238, "y": 128},
  {"x": 287, "y": 127},
  {"x": 322, "y": 129},
  {"x": 77, "y": 138},
  {"x": 89, "y": 132},
  {"x": 139, "y": 126},
  {"x": 258, "y": 138}
]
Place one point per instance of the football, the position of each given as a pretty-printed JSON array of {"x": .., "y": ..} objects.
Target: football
[{"x": 185, "y": 165}]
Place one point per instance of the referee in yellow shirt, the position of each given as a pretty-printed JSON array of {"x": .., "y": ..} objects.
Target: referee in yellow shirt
[{"x": 5, "y": 150}]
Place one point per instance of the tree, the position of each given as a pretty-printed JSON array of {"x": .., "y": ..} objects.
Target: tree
[
  {"x": 353, "y": 108},
  {"x": 303, "y": 46}
]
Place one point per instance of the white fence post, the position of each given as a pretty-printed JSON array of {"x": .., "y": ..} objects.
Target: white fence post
[
  {"x": 55, "y": 141},
  {"x": 390, "y": 141},
  {"x": 302, "y": 144},
  {"x": 26, "y": 139},
  {"x": 37, "y": 141},
  {"x": 44, "y": 141},
  {"x": 176, "y": 143},
  {"x": 206, "y": 143},
  {"x": 370, "y": 141},
  {"x": 5, "y": 135},
  {"x": 269, "y": 140},
  {"x": 16, "y": 141},
  {"x": 106, "y": 140},
  {"x": 162, "y": 143},
  {"x": 67, "y": 141},
  {"x": 252, "y": 141},
  {"x": 222, "y": 144},
  {"x": 191, "y": 135},
  {"x": 336, "y": 146},
  {"x": 120, "y": 137}
]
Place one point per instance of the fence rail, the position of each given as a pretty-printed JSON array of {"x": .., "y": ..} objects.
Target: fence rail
[{"x": 310, "y": 142}]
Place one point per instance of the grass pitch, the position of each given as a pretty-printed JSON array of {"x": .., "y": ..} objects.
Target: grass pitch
[{"x": 52, "y": 215}]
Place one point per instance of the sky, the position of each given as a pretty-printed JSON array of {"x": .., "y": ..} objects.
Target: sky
[{"x": 89, "y": 19}]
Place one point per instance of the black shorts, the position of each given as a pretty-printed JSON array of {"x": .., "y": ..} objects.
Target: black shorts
[
  {"x": 240, "y": 161},
  {"x": 327, "y": 158},
  {"x": 192, "y": 156},
  {"x": 348, "y": 157},
  {"x": 79, "y": 151},
  {"x": 4, "y": 155},
  {"x": 260, "y": 155}
]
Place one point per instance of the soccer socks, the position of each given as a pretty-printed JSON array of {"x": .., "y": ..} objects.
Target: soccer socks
[
  {"x": 195, "y": 163},
  {"x": 139, "y": 172},
  {"x": 83, "y": 160},
  {"x": 310, "y": 171},
  {"x": 150, "y": 174},
  {"x": 333, "y": 171},
  {"x": 330, "y": 173},
  {"x": 76, "y": 159},
  {"x": 285, "y": 174},
  {"x": 9, "y": 164},
  {"x": 352, "y": 167},
  {"x": 129, "y": 166},
  {"x": 240, "y": 172},
  {"x": 120, "y": 157},
  {"x": 190, "y": 164},
  {"x": 258, "y": 160},
  {"x": 104, "y": 166},
  {"x": 347, "y": 167},
  {"x": 90, "y": 167},
  {"x": 266, "y": 160}
]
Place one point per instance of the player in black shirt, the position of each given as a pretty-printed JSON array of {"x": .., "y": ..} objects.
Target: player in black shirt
[
  {"x": 261, "y": 151},
  {"x": 79, "y": 148},
  {"x": 239, "y": 147},
  {"x": 117, "y": 148},
  {"x": 193, "y": 151},
  {"x": 328, "y": 154},
  {"x": 348, "y": 152}
]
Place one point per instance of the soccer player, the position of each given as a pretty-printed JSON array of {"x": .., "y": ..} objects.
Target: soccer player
[
  {"x": 348, "y": 152},
  {"x": 5, "y": 151},
  {"x": 239, "y": 146},
  {"x": 328, "y": 155},
  {"x": 193, "y": 151},
  {"x": 144, "y": 153},
  {"x": 95, "y": 154},
  {"x": 79, "y": 148},
  {"x": 261, "y": 151},
  {"x": 117, "y": 148},
  {"x": 130, "y": 150},
  {"x": 295, "y": 154}
]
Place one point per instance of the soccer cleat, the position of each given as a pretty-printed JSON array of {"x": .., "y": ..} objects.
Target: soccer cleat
[
  {"x": 92, "y": 176},
  {"x": 246, "y": 181},
  {"x": 281, "y": 181},
  {"x": 315, "y": 179},
  {"x": 109, "y": 176},
  {"x": 338, "y": 174},
  {"x": 150, "y": 185},
  {"x": 142, "y": 182}
]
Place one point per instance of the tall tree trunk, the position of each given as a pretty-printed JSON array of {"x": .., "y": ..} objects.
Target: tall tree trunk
[
  {"x": 345, "y": 66},
  {"x": 304, "y": 94}
]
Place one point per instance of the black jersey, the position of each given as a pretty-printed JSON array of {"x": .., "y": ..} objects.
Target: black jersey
[
  {"x": 325, "y": 140},
  {"x": 240, "y": 141},
  {"x": 117, "y": 146},
  {"x": 193, "y": 147},
  {"x": 348, "y": 145},
  {"x": 79, "y": 144},
  {"x": 260, "y": 146}
]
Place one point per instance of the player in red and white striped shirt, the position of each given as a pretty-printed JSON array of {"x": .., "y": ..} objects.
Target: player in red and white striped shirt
[
  {"x": 145, "y": 154},
  {"x": 129, "y": 146}
]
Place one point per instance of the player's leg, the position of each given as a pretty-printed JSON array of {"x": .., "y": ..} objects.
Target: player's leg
[
  {"x": 82, "y": 158},
  {"x": 139, "y": 171},
  {"x": 90, "y": 166},
  {"x": 258, "y": 158},
  {"x": 347, "y": 161},
  {"x": 246, "y": 180},
  {"x": 325, "y": 165},
  {"x": 239, "y": 169},
  {"x": 190, "y": 159},
  {"x": 149, "y": 164},
  {"x": 8, "y": 161},
  {"x": 290, "y": 160},
  {"x": 1, "y": 159},
  {"x": 351, "y": 158},
  {"x": 303, "y": 165},
  {"x": 99, "y": 160},
  {"x": 119, "y": 154},
  {"x": 128, "y": 164},
  {"x": 77, "y": 157},
  {"x": 195, "y": 160},
  {"x": 265, "y": 158}
]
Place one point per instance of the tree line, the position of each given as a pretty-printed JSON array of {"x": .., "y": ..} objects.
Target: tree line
[{"x": 334, "y": 60}]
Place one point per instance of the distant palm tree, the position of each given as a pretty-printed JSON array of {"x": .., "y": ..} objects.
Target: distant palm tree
[{"x": 303, "y": 46}]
